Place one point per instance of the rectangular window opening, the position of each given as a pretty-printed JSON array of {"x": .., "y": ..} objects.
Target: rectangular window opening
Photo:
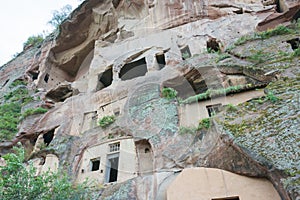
[
  {"x": 227, "y": 198},
  {"x": 160, "y": 58},
  {"x": 95, "y": 164},
  {"x": 115, "y": 147},
  {"x": 46, "y": 78},
  {"x": 112, "y": 166},
  {"x": 213, "y": 109},
  {"x": 185, "y": 52}
]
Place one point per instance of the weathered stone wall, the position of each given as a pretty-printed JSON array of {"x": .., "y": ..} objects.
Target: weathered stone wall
[{"x": 208, "y": 183}]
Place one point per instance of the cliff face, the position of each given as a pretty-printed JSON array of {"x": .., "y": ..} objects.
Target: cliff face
[{"x": 237, "y": 104}]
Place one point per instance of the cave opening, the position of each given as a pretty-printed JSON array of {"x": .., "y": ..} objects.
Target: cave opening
[
  {"x": 48, "y": 137},
  {"x": 295, "y": 43},
  {"x": 145, "y": 157},
  {"x": 46, "y": 78},
  {"x": 190, "y": 84},
  {"x": 296, "y": 16},
  {"x": 212, "y": 45},
  {"x": 105, "y": 79},
  {"x": 161, "y": 60},
  {"x": 278, "y": 6},
  {"x": 116, "y": 3},
  {"x": 133, "y": 70},
  {"x": 185, "y": 52},
  {"x": 34, "y": 74}
]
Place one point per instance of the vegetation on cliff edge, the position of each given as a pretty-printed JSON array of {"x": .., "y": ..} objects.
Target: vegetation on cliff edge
[{"x": 10, "y": 109}]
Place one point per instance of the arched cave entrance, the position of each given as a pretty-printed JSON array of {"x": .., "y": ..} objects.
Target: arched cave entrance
[
  {"x": 145, "y": 157},
  {"x": 48, "y": 137}
]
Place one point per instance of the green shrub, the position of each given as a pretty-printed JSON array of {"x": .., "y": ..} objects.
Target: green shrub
[
  {"x": 106, "y": 121},
  {"x": 16, "y": 95},
  {"x": 33, "y": 111},
  {"x": 279, "y": 30},
  {"x": 259, "y": 100},
  {"x": 222, "y": 57},
  {"x": 231, "y": 108},
  {"x": 9, "y": 119},
  {"x": 210, "y": 93},
  {"x": 258, "y": 57},
  {"x": 33, "y": 40},
  {"x": 271, "y": 97},
  {"x": 169, "y": 93},
  {"x": 10, "y": 110},
  {"x": 18, "y": 181},
  {"x": 244, "y": 39},
  {"x": 185, "y": 55},
  {"x": 296, "y": 53},
  {"x": 17, "y": 83},
  {"x": 204, "y": 124}
]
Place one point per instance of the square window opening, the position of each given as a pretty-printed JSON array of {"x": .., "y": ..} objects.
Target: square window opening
[
  {"x": 185, "y": 52},
  {"x": 95, "y": 164}
]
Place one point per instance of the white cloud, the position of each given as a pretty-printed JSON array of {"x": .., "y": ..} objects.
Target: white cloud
[{"x": 22, "y": 19}]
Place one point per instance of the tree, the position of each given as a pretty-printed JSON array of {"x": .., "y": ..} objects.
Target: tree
[
  {"x": 33, "y": 40},
  {"x": 18, "y": 181},
  {"x": 59, "y": 16}
]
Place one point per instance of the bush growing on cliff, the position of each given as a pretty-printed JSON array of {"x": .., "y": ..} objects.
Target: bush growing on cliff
[
  {"x": 279, "y": 30},
  {"x": 16, "y": 94},
  {"x": 9, "y": 119},
  {"x": 10, "y": 110},
  {"x": 231, "y": 108},
  {"x": 18, "y": 181},
  {"x": 210, "y": 93},
  {"x": 16, "y": 83},
  {"x": 33, "y": 41},
  {"x": 33, "y": 111},
  {"x": 296, "y": 53},
  {"x": 106, "y": 121},
  {"x": 271, "y": 97},
  {"x": 204, "y": 124},
  {"x": 169, "y": 93}
]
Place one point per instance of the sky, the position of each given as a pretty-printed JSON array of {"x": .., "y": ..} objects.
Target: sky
[{"x": 20, "y": 19}]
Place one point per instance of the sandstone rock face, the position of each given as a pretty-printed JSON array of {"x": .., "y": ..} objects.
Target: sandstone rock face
[
  {"x": 120, "y": 58},
  {"x": 223, "y": 182}
]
